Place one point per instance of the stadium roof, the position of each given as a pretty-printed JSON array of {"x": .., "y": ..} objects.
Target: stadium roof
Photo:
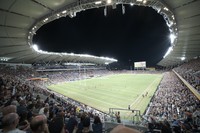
[{"x": 20, "y": 20}]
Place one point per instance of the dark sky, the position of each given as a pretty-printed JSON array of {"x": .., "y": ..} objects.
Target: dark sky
[{"x": 141, "y": 34}]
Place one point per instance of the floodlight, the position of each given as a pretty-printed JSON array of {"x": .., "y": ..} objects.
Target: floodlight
[
  {"x": 109, "y": 1},
  {"x": 168, "y": 51},
  {"x": 173, "y": 16},
  {"x": 72, "y": 14},
  {"x": 46, "y": 19},
  {"x": 144, "y": 2},
  {"x": 172, "y": 38},
  {"x": 64, "y": 11},
  {"x": 165, "y": 8},
  {"x": 131, "y": 4},
  {"x": 35, "y": 47},
  {"x": 182, "y": 58},
  {"x": 98, "y": 2}
]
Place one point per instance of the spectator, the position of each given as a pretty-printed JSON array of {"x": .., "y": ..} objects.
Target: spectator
[
  {"x": 57, "y": 125},
  {"x": 97, "y": 125},
  {"x": 86, "y": 126},
  {"x": 39, "y": 124},
  {"x": 10, "y": 122},
  {"x": 21, "y": 109},
  {"x": 45, "y": 110},
  {"x": 80, "y": 124},
  {"x": 72, "y": 124},
  {"x": 9, "y": 109},
  {"x": 117, "y": 114}
]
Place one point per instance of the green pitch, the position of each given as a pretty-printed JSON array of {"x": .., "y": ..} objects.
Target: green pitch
[{"x": 113, "y": 91}]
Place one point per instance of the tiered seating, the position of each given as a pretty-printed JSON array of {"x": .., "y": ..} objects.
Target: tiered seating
[
  {"x": 190, "y": 71},
  {"x": 173, "y": 102},
  {"x": 33, "y": 105}
]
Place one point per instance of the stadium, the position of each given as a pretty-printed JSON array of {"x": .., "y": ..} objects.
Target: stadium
[{"x": 70, "y": 92}]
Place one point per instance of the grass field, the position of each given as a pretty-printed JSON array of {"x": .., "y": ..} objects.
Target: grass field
[{"x": 113, "y": 91}]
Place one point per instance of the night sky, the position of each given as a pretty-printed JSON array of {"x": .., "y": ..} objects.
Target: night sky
[{"x": 141, "y": 34}]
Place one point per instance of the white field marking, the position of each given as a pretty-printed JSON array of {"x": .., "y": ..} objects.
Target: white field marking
[
  {"x": 137, "y": 99},
  {"x": 93, "y": 99},
  {"x": 106, "y": 77}
]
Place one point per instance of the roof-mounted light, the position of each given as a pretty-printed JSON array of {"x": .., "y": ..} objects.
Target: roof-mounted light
[
  {"x": 46, "y": 19},
  {"x": 144, "y": 2},
  {"x": 182, "y": 58},
  {"x": 35, "y": 47},
  {"x": 98, "y": 2},
  {"x": 109, "y": 1},
  {"x": 64, "y": 11},
  {"x": 131, "y": 4},
  {"x": 165, "y": 8},
  {"x": 172, "y": 37},
  {"x": 4, "y": 58},
  {"x": 168, "y": 51}
]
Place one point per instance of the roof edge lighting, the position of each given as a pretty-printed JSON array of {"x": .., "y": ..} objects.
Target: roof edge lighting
[
  {"x": 106, "y": 59},
  {"x": 4, "y": 59}
]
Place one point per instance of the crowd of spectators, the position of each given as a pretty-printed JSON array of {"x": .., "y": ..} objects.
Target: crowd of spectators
[
  {"x": 190, "y": 71},
  {"x": 67, "y": 66},
  {"x": 72, "y": 75},
  {"x": 26, "y": 108},
  {"x": 173, "y": 102}
]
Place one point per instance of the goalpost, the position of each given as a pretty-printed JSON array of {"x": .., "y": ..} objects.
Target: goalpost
[{"x": 126, "y": 115}]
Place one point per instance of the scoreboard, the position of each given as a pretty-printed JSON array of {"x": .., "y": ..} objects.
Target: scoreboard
[{"x": 141, "y": 64}]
